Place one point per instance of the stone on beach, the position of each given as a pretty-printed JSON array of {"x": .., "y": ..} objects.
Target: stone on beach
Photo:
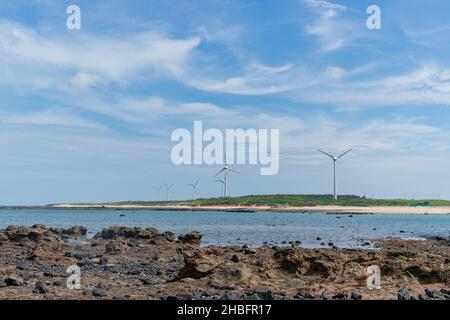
[{"x": 193, "y": 237}]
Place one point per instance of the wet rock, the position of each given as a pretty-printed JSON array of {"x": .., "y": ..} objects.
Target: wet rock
[
  {"x": 148, "y": 282},
  {"x": 235, "y": 258},
  {"x": 49, "y": 274},
  {"x": 263, "y": 292},
  {"x": 14, "y": 281},
  {"x": 58, "y": 283},
  {"x": 229, "y": 297},
  {"x": 198, "y": 265},
  {"x": 85, "y": 262},
  {"x": 103, "y": 260},
  {"x": 99, "y": 292},
  {"x": 222, "y": 286},
  {"x": 35, "y": 236},
  {"x": 304, "y": 294},
  {"x": 40, "y": 288},
  {"x": 76, "y": 231},
  {"x": 434, "y": 294},
  {"x": 113, "y": 247},
  {"x": 127, "y": 233},
  {"x": 403, "y": 294},
  {"x": 21, "y": 266},
  {"x": 169, "y": 236},
  {"x": 356, "y": 295},
  {"x": 249, "y": 251},
  {"x": 424, "y": 296},
  {"x": 194, "y": 238},
  {"x": 341, "y": 296},
  {"x": 325, "y": 296}
]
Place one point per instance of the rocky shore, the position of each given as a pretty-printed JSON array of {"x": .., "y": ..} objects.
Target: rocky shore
[{"x": 135, "y": 263}]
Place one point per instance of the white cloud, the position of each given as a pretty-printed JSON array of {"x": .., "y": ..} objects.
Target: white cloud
[
  {"x": 259, "y": 80},
  {"x": 426, "y": 84},
  {"x": 47, "y": 118},
  {"x": 331, "y": 9},
  {"x": 334, "y": 25},
  {"x": 92, "y": 57}
]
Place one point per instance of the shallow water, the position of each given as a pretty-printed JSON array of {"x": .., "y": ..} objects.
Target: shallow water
[{"x": 225, "y": 228}]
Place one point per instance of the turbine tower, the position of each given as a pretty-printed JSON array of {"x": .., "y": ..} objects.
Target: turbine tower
[
  {"x": 225, "y": 170},
  {"x": 334, "y": 158},
  {"x": 222, "y": 181},
  {"x": 168, "y": 187},
  {"x": 158, "y": 190},
  {"x": 194, "y": 188}
]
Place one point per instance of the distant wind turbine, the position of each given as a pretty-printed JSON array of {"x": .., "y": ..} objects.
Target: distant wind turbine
[
  {"x": 194, "y": 189},
  {"x": 222, "y": 182},
  {"x": 158, "y": 190},
  {"x": 225, "y": 169},
  {"x": 334, "y": 158},
  {"x": 168, "y": 187}
]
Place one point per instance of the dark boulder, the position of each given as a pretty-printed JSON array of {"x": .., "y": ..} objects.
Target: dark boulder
[
  {"x": 193, "y": 237},
  {"x": 356, "y": 295},
  {"x": 14, "y": 281},
  {"x": 403, "y": 294},
  {"x": 263, "y": 293},
  {"x": 40, "y": 288}
]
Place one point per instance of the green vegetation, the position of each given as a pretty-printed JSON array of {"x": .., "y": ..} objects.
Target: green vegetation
[{"x": 297, "y": 200}]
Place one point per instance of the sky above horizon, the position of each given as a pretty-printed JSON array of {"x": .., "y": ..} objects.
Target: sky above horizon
[{"x": 86, "y": 115}]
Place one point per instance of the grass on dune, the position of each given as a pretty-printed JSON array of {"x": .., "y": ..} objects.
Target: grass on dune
[{"x": 297, "y": 200}]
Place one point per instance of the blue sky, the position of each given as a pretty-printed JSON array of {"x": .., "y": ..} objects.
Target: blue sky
[{"x": 86, "y": 115}]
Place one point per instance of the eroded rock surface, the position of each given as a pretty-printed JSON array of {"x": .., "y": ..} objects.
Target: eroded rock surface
[{"x": 144, "y": 263}]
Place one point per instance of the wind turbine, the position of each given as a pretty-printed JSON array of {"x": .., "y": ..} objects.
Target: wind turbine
[
  {"x": 225, "y": 169},
  {"x": 194, "y": 188},
  {"x": 334, "y": 158},
  {"x": 168, "y": 187},
  {"x": 158, "y": 190},
  {"x": 222, "y": 181}
]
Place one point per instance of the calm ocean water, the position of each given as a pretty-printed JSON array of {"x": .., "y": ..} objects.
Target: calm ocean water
[{"x": 247, "y": 228}]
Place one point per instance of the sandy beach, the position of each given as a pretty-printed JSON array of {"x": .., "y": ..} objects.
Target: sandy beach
[{"x": 435, "y": 210}]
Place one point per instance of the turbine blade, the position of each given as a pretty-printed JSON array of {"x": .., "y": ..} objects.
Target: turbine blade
[
  {"x": 345, "y": 153},
  {"x": 232, "y": 170},
  {"x": 220, "y": 172},
  {"x": 327, "y": 154}
]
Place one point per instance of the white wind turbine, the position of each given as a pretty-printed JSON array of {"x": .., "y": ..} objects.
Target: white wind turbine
[
  {"x": 334, "y": 158},
  {"x": 158, "y": 191},
  {"x": 194, "y": 189},
  {"x": 225, "y": 169},
  {"x": 222, "y": 182},
  {"x": 168, "y": 187}
]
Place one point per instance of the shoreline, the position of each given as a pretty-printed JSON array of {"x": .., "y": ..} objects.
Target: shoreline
[{"x": 431, "y": 210}]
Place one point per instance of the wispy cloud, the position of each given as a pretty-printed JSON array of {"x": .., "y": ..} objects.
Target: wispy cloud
[
  {"x": 334, "y": 25},
  {"x": 92, "y": 57},
  {"x": 426, "y": 84}
]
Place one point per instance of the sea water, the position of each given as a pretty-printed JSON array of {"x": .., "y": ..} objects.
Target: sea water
[{"x": 229, "y": 228}]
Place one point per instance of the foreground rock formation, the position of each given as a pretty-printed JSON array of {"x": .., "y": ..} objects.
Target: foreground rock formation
[{"x": 136, "y": 263}]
